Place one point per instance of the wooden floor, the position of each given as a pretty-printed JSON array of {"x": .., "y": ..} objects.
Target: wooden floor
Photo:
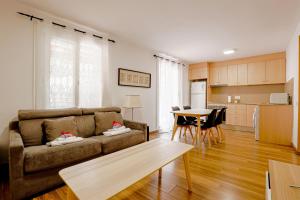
[{"x": 233, "y": 170}]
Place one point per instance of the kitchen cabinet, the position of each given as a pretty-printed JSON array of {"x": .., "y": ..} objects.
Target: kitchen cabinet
[
  {"x": 240, "y": 115},
  {"x": 257, "y": 70},
  {"x": 276, "y": 124},
  {"x": 256, "y": 73},
  {"x": 230, "y": 113},
  {"x": 275, "y": 71},
  {"x": 237, "y": 75},
  {"x": 242, "y": 73},
  {"x": 198, "y": 71},
  {"x": 232, "y": 74},
  {"x": 269, "y": 72},
  {"x": 249, "y": 115},
  {"x": 236, "y": 114},
  {"x": 218, "y": 75}
]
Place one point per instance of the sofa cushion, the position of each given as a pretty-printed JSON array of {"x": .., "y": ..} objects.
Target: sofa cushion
[
  {"x": 48, "y": 113},
  {"x": 111, "y": 144},
  {"x": 91, "y": 111},
  {"x": 54, "y": 127},
  {"x": 31, "y": 131},
  {"x": 104, "y": 121},
  {"x": 85, "y": 125},
  {"x": 43, "y": 157}
]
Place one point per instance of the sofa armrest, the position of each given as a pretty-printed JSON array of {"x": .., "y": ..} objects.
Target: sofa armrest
[
  {"x": 136, "y": 126},
  {"x": 16, "y": 155}
]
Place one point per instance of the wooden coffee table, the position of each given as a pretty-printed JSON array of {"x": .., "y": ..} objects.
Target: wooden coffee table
[{"x": 103, "y": 177}]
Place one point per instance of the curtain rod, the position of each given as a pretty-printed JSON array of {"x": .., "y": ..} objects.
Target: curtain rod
[
  {"x": 156, "y": 56},
  {"x": 63, "y": 26},
  {"x": 30, "y": 16}
]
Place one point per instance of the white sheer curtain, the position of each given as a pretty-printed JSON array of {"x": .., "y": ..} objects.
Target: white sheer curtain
[
  {"x": 69, "y": 68},
  {"x": 169, "y": 92}
]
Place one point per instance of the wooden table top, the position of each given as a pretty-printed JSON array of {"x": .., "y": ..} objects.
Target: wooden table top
[
  {"x": 105, "y": 176},
  {"x": 282, "y": 175},
  {"x": 193, "y": 112}
]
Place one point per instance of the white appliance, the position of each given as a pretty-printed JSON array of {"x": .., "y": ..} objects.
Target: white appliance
[
  {"x": 198, "y": 94},
  {"x": 279, "y": 98},
  {"x": 256, "y": 122}
]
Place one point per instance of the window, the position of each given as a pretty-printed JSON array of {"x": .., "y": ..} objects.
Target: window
[
  {"x": 69, "y": 69},
  {"x": 62, "y": 73},
  {"x": 169, "y": 92}
]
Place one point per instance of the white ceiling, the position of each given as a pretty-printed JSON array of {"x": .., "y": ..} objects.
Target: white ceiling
[{"x": 192, "y": 30}]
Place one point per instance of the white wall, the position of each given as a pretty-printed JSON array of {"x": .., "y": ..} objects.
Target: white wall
[
  {"x": 129, "y": 56},
  {"x": 292, "y": 65},
  {"x": 16, "y": 37}
]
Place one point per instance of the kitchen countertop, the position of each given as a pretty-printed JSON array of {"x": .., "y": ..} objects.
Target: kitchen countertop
[
  {"x": 258, "y": 104},
  {"x": 224, "y": 104}
]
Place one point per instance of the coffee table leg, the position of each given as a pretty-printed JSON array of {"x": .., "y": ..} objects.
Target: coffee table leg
[
  {"x": 187, "y": 171},
  {"x": 70, "y": 194}
]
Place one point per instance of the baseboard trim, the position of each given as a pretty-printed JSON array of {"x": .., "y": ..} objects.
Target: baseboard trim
[
  {"x": 238, "y": 128},
  {"x": 296, "y": 151},
  {"x": 154, "y": 132}
]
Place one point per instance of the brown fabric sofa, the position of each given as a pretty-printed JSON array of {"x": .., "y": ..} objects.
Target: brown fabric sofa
[{"x": 34, "y": 166}]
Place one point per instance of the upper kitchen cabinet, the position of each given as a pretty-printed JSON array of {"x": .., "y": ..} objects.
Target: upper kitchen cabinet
[
  {"x": 232, "y": 74},
  {"x": 275, "y": 71},
  {"x": 242, "y": 73},
  {"x": 218, "y": 75},
  {"x": 256, "y": 70},
  {"x": 256, "y": 73},
  {"x": 198, "y": 71},
  {"x": 268, "y": 72},
  {"x": 237, "y": 75}
]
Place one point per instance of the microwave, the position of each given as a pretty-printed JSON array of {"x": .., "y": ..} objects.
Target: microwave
[{"x": 279, "y": 98}]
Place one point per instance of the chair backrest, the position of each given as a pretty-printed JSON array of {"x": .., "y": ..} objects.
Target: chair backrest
[
  {"x": 180, "y": 119},
  {"x": 189, "y": 118},
  {"x": 187, "y": 107},
  {"x": 220, "y": 116},
  {"x": 211, "y": 118},
  {"x": 175, "y": 108}
]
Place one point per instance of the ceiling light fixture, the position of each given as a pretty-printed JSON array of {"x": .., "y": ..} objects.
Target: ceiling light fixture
[{"x": 229, "y": 51}]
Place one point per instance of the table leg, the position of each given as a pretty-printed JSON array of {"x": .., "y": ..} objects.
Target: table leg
[
  {"x": 174, "y": 127},
  {"x": 160, "y": 173},
  {"x": 199, "y": 128},
  {"x": 70, "y": 194},
  {"x": 187, "y": 171}
]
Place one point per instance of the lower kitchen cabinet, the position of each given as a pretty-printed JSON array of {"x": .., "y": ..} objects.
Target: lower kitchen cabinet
[{"x": 240, "y": 114}]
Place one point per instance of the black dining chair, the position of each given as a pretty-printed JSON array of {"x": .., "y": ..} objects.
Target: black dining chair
[
  {"x": 191, "y": 119},
  {"x": 207, "y": 126},
  {"x": 182, "y": 123},
  {"x": 218, "y": 122}
]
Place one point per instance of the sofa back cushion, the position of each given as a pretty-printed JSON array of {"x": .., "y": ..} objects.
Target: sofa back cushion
[
  {"x": 104, "y": 121},
  {"x": 31, "y": 123},
  {"x": 85, "y": 125},
  {"x": 48, "y": 113},
  {"x": 54, "y": 127},
  {"x": 31, "y": 131}
]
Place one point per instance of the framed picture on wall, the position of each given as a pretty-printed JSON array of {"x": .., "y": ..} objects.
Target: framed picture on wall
[{"x": 127, "y": 77}]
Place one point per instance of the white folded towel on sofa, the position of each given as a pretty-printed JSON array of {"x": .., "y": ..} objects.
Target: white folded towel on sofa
[
  {"x": 62, "y": 141},
  {"x": 116, "y": 131}
]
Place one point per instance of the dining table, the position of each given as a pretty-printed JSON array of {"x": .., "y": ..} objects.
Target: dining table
[{"x": 197, "y": 113}]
